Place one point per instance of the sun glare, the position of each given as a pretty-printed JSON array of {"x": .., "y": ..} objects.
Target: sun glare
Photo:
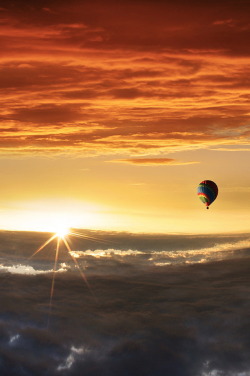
[{"x": 62, "y": 232}]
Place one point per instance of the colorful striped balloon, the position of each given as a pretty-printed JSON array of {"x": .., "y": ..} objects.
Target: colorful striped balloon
[{"x": 207, "y": 192}]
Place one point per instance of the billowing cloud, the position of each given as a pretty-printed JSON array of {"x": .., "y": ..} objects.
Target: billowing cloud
[
  {"x": 27, "y": 269},
  {"x": 124, "y": 84}
]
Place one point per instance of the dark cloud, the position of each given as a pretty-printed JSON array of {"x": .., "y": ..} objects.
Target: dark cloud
[
  {"x": 47, "y": 113},
  {"x": 180, "y": 319},
  {"x": 157, "y": 25},
  {"x": 48, "y": 76},
  {"x": 128, "y": 93}
]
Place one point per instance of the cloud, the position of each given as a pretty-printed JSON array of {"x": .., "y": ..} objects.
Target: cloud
[
  {"x": 145, "y": 84},
  {"x": 46, "y": 114},
  {"x": 71, "y": 358},
  {"x": 153, "y": 161},
  {"x": 92, "y": 259},
  {"x": 29, "y": 270},
  {"x": 184, "y": 319}
]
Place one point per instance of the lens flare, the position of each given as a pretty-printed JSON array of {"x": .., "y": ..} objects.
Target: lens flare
[{"x": 61, "y": 235}]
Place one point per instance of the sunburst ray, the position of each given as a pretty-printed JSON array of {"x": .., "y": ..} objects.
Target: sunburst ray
[
  {"x": 78, "y": 235},
  {"x": 43, "y": 245},
  {"x": 53, "y": 277},
  {"x": 78, "y": 266}
]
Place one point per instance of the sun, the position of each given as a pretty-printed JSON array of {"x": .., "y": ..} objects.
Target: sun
[
  {"x": 61, "y": 228},
  {"x": 62, "y": 232}
]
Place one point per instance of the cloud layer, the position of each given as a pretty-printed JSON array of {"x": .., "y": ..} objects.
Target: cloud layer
[
  {"x": 144, "y": 318},
  {"x": 125, "y": 77}
]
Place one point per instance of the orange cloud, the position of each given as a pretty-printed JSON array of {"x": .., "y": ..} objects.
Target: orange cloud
[
  {"x": 153, "y": 161},
  {"x": 74, "y": 77}
]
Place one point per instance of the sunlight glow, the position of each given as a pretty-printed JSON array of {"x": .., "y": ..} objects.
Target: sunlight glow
[
  {"x": 62, "y": 232},
  {"x": 53, "y": 215}
]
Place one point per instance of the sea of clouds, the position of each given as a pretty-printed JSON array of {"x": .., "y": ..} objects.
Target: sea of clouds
[{"x": 154, "y": 305}]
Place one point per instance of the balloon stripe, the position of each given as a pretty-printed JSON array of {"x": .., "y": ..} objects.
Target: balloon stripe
[
  {"x": 213, "y": 191},
  {"x": 208, "y": 192},
  {"x": 203, "y": 197}
]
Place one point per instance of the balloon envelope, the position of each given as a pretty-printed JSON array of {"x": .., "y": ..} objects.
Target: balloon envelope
[{"x": 207, "y": 192}]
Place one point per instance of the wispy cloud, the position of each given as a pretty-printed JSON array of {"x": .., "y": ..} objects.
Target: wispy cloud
[{"x": 153, "y": 161}]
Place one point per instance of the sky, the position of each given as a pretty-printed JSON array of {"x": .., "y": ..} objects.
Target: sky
[{"x": 113, "y": 112}]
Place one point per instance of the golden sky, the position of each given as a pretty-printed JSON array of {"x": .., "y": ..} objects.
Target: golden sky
[{"x": 113, "y": 112}]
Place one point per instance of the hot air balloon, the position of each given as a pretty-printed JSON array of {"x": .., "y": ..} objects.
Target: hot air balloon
[{"x": 207, "y": 192}]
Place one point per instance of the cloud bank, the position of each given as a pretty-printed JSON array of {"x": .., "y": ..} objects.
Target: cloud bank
[{"x": 188, "y": 318}]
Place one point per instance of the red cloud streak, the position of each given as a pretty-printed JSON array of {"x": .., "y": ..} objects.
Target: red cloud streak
[{"x": 153, "y": 161}]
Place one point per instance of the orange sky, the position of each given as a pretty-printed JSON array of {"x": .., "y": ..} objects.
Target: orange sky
[{"x": 112, "y": 113}]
